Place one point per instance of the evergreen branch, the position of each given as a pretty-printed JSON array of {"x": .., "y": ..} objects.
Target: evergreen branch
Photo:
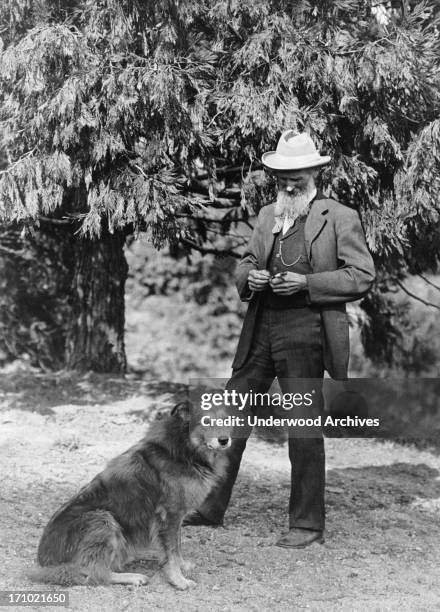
[
  {"x": 227, "y": 171},
  {"x": 429, "y": 282},
  {"x": 193, "y": 217},
  {"x": 56, "y": 221},
  {"x": 210, "y": 220},
  {"x": 9, "y": 251},
  {"x": 197, "y": 186},
  {"x": 197, "y": 218},
  {"x": 220, "y": 203},
  {"x": 231, "y": 193},
  {"x": 242, "y": 241},
  {"x": 416, "y": 297},
  {"x": 18, "y": 161},
  {"x": 361, "y": 48},
  {"x": 144, "y": 174},
  {"x": 209, "y": 251}
]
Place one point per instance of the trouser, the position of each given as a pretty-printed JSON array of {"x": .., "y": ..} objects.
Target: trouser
[{"x": 286, "y": 344}]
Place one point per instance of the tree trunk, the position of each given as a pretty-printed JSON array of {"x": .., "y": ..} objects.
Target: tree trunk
[{"x": 95, "y": 336}]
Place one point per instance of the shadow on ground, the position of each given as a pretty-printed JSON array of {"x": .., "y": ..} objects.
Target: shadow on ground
[{"x": 40, "y": 391}]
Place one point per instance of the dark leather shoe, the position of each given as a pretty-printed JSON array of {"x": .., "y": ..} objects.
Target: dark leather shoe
[
  {"x": 300, "y": 538},
  {"x": 197, "y": 519}
]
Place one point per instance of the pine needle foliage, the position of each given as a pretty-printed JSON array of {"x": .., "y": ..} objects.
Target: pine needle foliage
[{"x": 128, "y": 115}]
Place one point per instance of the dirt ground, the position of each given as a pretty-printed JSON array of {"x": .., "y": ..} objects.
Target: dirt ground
[{"x": 383, "y": 501}]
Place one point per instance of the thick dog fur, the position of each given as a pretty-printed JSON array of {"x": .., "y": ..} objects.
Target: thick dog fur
[{"x": 140, "y": 498}]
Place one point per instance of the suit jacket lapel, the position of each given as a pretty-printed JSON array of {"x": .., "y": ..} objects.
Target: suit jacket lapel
[{"x": 314, "y": 223}]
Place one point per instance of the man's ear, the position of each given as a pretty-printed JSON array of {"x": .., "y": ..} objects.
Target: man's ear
[{"x": 182, "y": 410}]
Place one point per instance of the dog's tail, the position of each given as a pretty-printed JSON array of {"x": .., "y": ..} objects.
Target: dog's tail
[{"x": 66, "y": 574}]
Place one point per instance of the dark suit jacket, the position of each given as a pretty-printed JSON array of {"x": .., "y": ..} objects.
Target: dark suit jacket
[{"x": 343, "y": 271}]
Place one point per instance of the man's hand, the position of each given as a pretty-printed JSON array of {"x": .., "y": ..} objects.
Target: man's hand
[
  {"x": 258, "y": 280},
  {"x": 288, "y": 284}
]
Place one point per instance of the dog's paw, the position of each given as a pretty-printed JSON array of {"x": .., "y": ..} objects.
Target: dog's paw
[
  {"x": 140, "y": 580},
  {"x": 185, "y": 584},
  {"x": 128, "y": 578},
  {"x": 181, "y": 583},
  {"x": 173, "y": 574},
  {"x": 187, "y": 566}
]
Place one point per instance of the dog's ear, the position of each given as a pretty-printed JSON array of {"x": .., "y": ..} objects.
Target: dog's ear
[{"x": 182, "y": 410}]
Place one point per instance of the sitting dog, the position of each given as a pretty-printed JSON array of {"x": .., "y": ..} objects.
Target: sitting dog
[{"x": 140, "y": 498}]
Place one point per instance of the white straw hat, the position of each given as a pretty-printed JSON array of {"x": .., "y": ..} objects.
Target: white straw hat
[{"x": 294, "y": 152}]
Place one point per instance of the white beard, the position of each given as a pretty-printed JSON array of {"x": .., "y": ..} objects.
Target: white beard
[{"x": 291, "y": 205}]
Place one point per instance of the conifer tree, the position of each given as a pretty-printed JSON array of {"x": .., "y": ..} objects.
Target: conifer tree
[{"x": 119, "y": 116}]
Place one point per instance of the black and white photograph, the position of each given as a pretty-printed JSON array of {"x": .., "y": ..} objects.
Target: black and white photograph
[{"x": 219, "y": 305}]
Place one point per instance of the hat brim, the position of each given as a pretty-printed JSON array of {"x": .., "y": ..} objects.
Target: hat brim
[{"x": 275, "y": 161}]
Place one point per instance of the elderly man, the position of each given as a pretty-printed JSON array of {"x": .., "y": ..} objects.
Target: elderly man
[{"x": 306, "y": 258}]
